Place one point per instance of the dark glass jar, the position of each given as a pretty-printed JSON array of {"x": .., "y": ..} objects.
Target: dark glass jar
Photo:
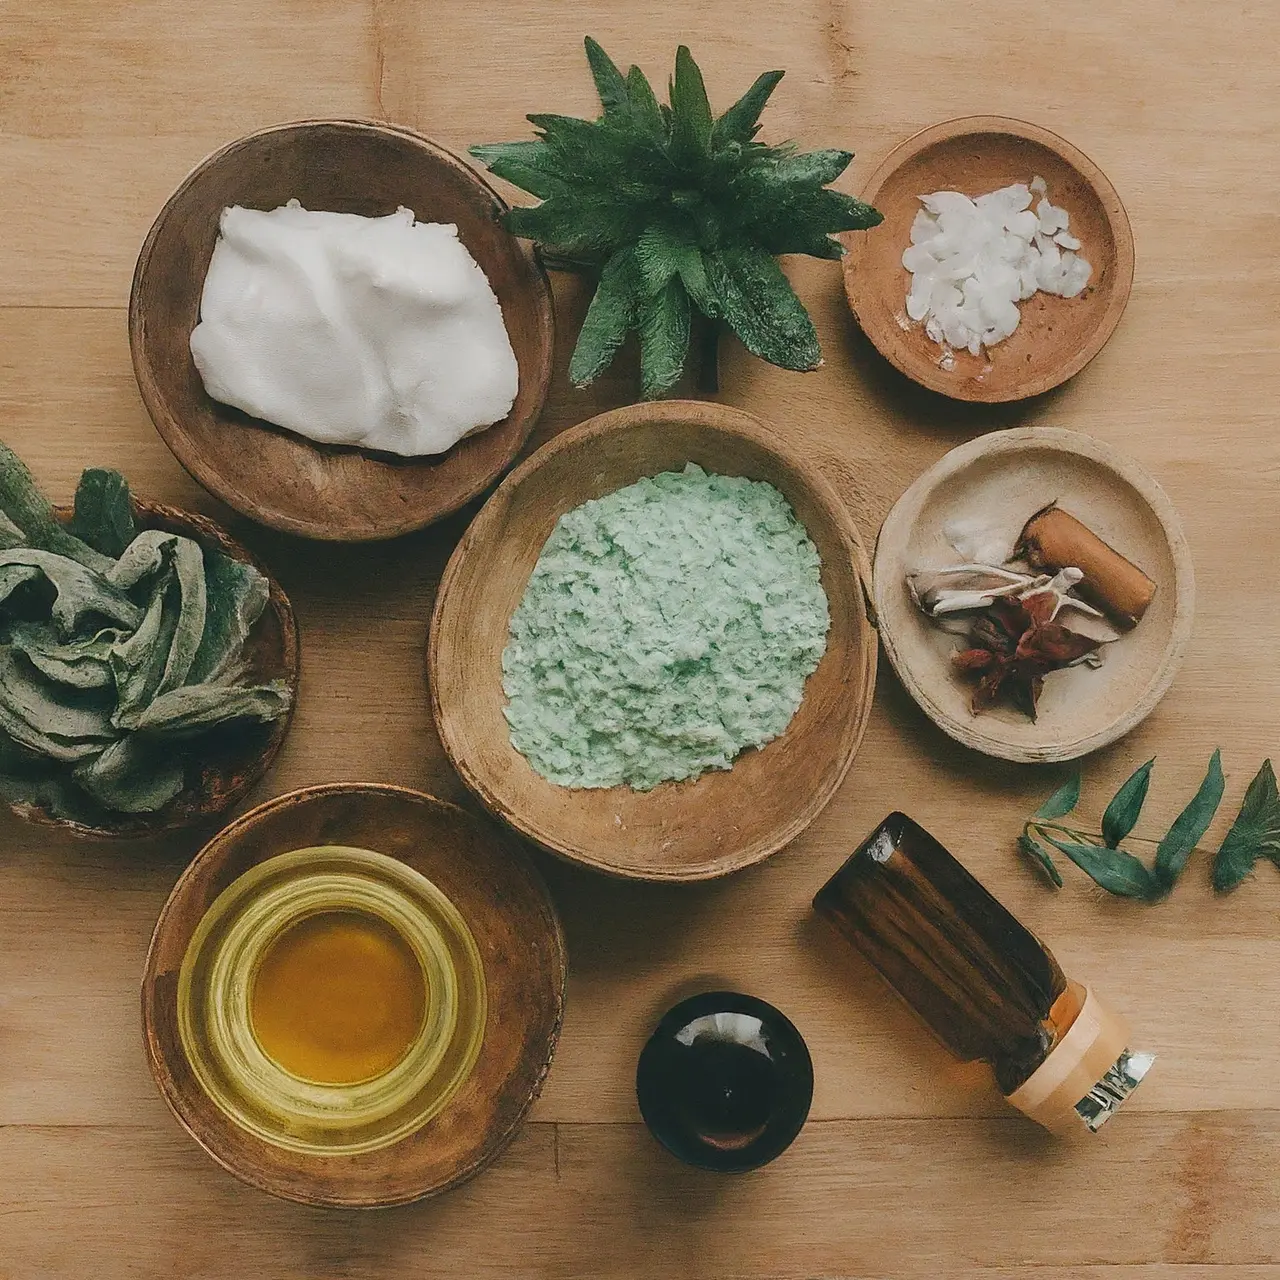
[
  {"x": 725, "y": 1081},
  {"x": 983, "y": 983}
]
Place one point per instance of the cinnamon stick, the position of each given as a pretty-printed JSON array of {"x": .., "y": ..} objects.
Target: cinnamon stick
[{"x": 1054, "y": 539}]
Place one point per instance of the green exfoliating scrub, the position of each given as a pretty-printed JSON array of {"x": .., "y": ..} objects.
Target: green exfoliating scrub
[{"x": 666, "y": 627}]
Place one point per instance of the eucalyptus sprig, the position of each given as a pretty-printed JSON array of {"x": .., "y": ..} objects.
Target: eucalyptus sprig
[
  {"x": 678, "y": 211},
  {"x": 1254, "y": 834}
]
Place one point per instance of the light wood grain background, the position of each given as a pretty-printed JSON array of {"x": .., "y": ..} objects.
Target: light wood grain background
[{"x": 910, "y": 1166}]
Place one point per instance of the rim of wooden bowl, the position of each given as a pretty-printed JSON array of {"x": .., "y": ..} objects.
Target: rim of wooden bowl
[
  {"x": 897, "y": 529},
  {"x": 177, "y": 816},
  {"x": 486, "y": 531},
  {"x": 888, "y": 336},
  {"x": 503, "y": 894},
  {"x": 396, "y": 521}
]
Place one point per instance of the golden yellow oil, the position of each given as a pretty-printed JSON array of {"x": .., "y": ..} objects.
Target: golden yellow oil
[{"x": 338, "y": 998}]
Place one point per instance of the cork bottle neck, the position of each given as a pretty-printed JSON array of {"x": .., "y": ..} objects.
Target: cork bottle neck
[{"x": 1086, "y": 1075}]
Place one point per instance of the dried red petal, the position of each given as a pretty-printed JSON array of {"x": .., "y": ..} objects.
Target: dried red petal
[
  {"x": 1040, "y": 608},
  {"x": 1052, "y": 643},
  {"x": 973, "y": 659},
  {"x": 988, "y": 688},
  {"x": 986, "y": 634}
]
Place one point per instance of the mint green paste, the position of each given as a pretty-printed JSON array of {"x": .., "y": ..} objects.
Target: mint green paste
[{"x": 666, "y": 627}]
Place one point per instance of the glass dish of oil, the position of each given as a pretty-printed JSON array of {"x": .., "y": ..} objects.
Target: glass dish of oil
[{"x": 331, "y": 1001}]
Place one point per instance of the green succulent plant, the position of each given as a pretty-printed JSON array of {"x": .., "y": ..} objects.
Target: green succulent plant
[{"x": 680, "y": 213}]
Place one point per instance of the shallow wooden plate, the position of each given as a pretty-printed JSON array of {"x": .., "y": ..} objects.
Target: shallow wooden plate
[
  {"x": 1056, "y": 337},
  {"x": 232, "y": 759},
  {"x": 1008, "y": 476},
  {"x": 491, "y": 881},
  {"x": 721, "y": 821},
  {"x": 328, "y": 491}
]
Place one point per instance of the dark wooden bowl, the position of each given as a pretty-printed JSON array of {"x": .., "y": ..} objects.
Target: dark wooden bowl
[
  {"x": 708, "y": 826},
  {"x": 322, "y": 491},
  {"x": 492, "y": 882},
  {"x": 1056, "y": 337},
  {"x": 233, "y": 759}
]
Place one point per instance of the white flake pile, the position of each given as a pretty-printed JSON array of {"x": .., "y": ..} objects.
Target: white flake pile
[
  {"x": 973, "y": 261},
  {"x": 378, "y": 332}
]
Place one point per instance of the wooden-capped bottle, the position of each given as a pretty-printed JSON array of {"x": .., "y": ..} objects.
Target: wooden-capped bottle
[{"x": 983, "y": 983}]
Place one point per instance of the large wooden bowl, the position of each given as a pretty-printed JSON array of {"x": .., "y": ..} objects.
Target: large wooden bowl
[
  {"x": 232, "y": 759},
  {"x": 490, "y": 880},
  {"x": 328, "y": 491},
  {"x": 693, "y": 830},
  {"x": 1056, "y": 337}
]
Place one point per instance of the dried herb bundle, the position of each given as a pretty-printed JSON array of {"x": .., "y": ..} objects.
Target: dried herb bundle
[
  {"x": 1254, "y": 834},
  {"x": 119, "y": 650},
  {"x": 678, "y": 211}
]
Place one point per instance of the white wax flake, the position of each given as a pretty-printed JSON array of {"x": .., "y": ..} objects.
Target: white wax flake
[{"x": 973, "y": 261}]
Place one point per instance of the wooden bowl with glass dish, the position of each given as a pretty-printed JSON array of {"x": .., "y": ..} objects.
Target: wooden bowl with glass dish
[
  {"x": 150, "y": 665},
  {"x": 329, "y": 491},
  {"x": 353, "y": 994},
  {"x": 1055, "y": 335},
  {"x": 708, "y": 818}
]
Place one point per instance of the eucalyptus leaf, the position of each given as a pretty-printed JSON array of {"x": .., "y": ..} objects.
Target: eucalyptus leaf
[
  {"x": 1039, "y": 854},
  {"x": 1062, "y": 802},
  {"x": 1255, "y": 832},
  {"x": 1189, "y": 826},
  {"x": 1126, "y": 806},
  {"x": 1114, "y": 870}
]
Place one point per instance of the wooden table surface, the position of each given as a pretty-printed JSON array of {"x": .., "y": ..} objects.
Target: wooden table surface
[{"x": 909, "y": 1164}]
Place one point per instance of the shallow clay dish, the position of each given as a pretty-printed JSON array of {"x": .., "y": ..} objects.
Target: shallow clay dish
[
  {"x": 495, "y": 887},
  {"x": 723, "y": 820},
  {"x": 1007, "y": 477},
  {"x": 1056, "y": 337},
  {"x": 319, "y": 491},
  {"x": 232, "y": 759}
]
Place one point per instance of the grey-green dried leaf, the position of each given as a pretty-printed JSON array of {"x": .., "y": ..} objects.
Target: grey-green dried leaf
[
  {"x": 78, "y": 591},
  {"x": 1126, "y": 806},
  {"x": 132, "y": 776},
  {"x": 138, "y": 661},
  {"x": 1255, "y": 832},
  {"x": 28, "y": 509},
  {"x": 236, "y": 596},
  {"x": 103, "y": 512},
  {"x": 1189, "y": 826},
  {"x": 82, "y": 663},
  {"x": 51, "y": 720},
  {"x": 1114, "y": 870},
  {"x": 188, "y": 574},
  {"x": 197, "y": 707},
  {"x": 1062, "y": 802}
]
